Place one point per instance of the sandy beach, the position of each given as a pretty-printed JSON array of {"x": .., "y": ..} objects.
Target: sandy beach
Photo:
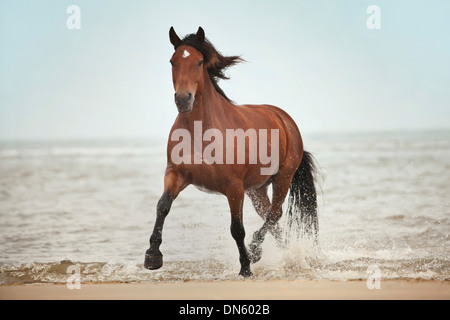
[{"x": 234, "y": 290}]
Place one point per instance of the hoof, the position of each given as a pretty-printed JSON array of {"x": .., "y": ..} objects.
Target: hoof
[
  {"x": 255, "y": 253},
  {"x": 246, "y": 273},
  {"x": 153, "y": 262}
]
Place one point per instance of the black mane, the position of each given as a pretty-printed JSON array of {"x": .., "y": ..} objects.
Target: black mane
[{"x": 216, "y": 63}]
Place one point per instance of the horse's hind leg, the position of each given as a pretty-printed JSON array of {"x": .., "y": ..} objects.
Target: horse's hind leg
[
  {"x": 261, "y": 203},
  {"x": 280, "y": 189}
]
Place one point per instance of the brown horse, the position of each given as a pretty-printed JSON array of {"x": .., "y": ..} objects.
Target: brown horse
[{"x": 205, "y": 110}]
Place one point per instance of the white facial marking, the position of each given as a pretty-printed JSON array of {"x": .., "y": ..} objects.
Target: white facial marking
[{"x": 186, "y": 54}]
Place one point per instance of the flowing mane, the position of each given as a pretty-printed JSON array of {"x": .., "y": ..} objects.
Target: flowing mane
[{"x": 216, "y": 63}]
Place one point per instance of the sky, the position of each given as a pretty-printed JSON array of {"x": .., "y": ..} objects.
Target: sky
[{"x": 316, "y": 59}]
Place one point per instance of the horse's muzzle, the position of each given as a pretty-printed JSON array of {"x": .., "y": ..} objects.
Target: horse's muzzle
[{"x": 184, "y": 101}]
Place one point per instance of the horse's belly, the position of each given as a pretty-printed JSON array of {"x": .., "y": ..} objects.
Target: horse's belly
[
  {"x": 216, "y": 179},
  {"x": 206, "y": 189}
]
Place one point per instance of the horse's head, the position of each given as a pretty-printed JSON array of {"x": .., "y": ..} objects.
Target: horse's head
[{"x": 188, "y": 66}]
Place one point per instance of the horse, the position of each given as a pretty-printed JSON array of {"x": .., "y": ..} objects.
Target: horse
[{"x": 196, "y": 69}]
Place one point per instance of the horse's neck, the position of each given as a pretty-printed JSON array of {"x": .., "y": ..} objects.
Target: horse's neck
[{"x": 209, "y": 107}]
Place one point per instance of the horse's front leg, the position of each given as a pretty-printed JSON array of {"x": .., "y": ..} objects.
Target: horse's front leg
[
  {"x": 153, "y": 257},
  {"x": 235, "y": 196},
  {"x": 172, "y": 186}
]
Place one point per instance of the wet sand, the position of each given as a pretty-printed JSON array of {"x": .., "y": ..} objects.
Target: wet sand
[{"x": 234, "y": 290}]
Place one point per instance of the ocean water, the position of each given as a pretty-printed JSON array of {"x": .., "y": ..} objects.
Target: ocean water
[{"x": 384, "y": 202}]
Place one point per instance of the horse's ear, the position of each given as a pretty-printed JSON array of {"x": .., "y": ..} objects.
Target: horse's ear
[
  {"x": 200, "y": 36},
  {"x": 174, "y": 38}
]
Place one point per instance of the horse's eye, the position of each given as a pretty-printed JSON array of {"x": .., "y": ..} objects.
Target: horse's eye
[
  {"x": 171, "y": 62},
  {"x": 200, "y": 63}
]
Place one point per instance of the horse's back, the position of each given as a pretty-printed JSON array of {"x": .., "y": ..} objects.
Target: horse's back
[{"x": 294, "y": 143}]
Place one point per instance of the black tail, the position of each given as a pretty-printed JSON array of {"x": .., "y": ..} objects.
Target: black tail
[{"x": 302, "y": 204}]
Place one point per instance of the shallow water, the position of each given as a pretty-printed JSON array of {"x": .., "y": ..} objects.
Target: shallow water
[{"x": 384, "y": 200}]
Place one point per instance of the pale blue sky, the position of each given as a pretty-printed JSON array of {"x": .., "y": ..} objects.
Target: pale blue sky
[{"x": 315, "y": 59}]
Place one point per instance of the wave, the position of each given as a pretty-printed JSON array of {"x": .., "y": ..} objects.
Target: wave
[
  {"x": 384, "y": 202},
  {"x": 291, "y": 266}
]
